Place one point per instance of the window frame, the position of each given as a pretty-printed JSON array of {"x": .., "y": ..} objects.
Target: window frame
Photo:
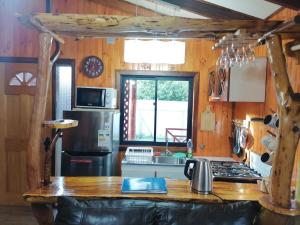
[
  {"x": 62, "y": 62},
  {"x": 159, "y": 75}
]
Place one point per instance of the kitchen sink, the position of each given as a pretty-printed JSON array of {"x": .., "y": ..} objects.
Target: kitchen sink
[{"x": 168, "y": 160}]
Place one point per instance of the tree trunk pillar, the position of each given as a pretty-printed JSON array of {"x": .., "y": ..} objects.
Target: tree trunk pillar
[
  {"x": 38, "y": 115},
  {"x": 289, "y": 126}
]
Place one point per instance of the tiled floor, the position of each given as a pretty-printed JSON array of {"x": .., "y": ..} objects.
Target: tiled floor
[{"x": 16, "y": 215}]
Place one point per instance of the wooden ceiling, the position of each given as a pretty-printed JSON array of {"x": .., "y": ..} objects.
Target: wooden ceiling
[
  {"x": 209, "y": 10},
  {"x": 292, "y": 4}
]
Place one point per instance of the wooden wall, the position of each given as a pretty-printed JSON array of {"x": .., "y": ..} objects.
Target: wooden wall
[{"x": 15, "y": 114}]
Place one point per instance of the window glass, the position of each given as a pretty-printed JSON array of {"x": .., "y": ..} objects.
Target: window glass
[
  {"x": 63, "y": 84},
  {"x": 138, "y": 110},
  {"x": 156, "y": 109},
  {"x": 172, "y": 110}
]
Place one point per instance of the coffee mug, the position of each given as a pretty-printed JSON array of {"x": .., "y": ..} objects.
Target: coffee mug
[
  {"x": 267, "y": 158},
  {"x": 269, "y": 142},
  {"x": 272, "y": 120}
]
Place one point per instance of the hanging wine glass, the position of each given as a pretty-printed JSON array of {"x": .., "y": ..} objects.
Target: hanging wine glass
[
  {"x": 231, "y": 55},
  {"x": 250, "y": 54},
  {"x": 238, "y": 56},
  {"x": 222, "y": 59},
  {"x": 244, "y": 56}
]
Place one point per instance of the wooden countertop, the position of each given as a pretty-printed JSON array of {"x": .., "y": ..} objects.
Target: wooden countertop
[{"x": 110, "y": 187}]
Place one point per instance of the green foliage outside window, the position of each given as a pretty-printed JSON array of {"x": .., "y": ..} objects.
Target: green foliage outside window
[{"x": 167, "y": 90}]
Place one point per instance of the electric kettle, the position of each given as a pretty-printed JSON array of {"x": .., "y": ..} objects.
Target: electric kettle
[{"x": 200, "y": 175}]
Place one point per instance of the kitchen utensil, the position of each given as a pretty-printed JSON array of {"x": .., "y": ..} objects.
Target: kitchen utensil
[
  {"x": 269, "y": 142},
  {"x": 237, "y": 147},
  {"x": 272, "y": 120},
  {"x": 267, "y": 158},
  {"x": 200, "y": 175}
]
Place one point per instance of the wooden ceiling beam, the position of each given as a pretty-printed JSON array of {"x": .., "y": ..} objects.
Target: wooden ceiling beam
[
  {"x": 291, "y": 4},
  {"x": 81, "y": 26},
  {"x": 126, "y": 7},
  {"x": 209, "y": 10}
]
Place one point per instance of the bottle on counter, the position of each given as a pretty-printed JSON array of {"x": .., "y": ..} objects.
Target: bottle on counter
[{"x": 189, "y": 146}]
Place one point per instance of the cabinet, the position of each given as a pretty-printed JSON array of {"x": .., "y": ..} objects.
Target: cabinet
[
  {"x": 246, "y": 83},
  {"x": 146, "y": 170}
]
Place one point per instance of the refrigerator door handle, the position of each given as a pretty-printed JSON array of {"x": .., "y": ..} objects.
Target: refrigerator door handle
[{"x": 85, "y": 161}]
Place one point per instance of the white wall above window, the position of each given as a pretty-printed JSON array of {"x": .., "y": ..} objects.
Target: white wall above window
[{"x": 154, "y": 51}]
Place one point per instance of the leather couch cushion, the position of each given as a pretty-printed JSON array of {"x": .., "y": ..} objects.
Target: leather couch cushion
[
  {"x": 104, "y": 212},
  {"x": 235, "y": 213},
  {"x": 139, "y": 212}
]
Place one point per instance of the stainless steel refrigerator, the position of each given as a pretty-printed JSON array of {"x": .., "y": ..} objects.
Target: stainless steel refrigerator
[{"x": 91, "y": 149}]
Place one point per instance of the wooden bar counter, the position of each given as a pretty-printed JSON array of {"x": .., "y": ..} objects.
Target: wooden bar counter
[{"x": 110, "y": 187}]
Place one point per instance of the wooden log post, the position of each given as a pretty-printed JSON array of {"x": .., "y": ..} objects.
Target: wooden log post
[
  {"x": 43, "y": 213},
  {"x": 38, "y": 115},
  {"x": 289, "y": 126}
]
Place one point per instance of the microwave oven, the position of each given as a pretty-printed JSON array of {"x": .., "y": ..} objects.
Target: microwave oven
[{"x": 95, "y": 97}]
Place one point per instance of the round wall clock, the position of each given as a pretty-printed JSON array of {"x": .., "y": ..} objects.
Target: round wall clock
[{"x": 92, "y": 66}]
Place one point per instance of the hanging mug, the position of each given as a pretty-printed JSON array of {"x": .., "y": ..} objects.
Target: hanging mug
[
  {"x": 267, "y": 158},
  {"x": 272, "y": 120},
  {"x": 269, "y": 142}
]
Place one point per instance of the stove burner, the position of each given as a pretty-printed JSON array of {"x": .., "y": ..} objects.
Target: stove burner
[{"x": 234, "y": 171}]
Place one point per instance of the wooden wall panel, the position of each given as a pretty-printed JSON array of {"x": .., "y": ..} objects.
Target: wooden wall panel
[{"x": 15, "y": 39}]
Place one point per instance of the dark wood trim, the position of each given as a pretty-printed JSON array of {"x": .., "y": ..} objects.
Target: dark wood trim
[
  {"x": 9, "y": 59},
  {"x": 209, "y": 10},
  {"x": 291, "y": 4}
]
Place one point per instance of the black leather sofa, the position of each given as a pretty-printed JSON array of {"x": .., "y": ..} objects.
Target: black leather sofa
[{"x": 145, "y": 212}]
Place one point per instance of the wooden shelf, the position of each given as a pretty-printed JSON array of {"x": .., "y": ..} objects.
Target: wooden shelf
[
  {"x": 60, "y": 124},
  {"x": 265, "y": 201}
]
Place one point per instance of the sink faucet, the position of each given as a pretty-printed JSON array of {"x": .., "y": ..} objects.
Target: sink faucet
[{"x": 167, "y": 152}]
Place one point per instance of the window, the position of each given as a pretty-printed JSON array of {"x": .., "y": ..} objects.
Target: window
[
  {"x": 63, "y": 84},
  {"x": 156, "y": 108}
]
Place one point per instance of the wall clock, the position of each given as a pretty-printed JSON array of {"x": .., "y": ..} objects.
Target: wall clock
[{"x": 92, "y": 66}]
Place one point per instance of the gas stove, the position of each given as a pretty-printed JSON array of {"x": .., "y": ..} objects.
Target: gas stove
[{"x": 234, "y": 172}]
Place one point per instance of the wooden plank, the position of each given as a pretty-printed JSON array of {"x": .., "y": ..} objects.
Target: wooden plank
[
  {"x": 40, "y": 27},
  {"x": 38, "y": 115},
  {"x": 292, "y": 4},
  {"x": 60, "y": 124},
  {"x": 209, "y": 10},
  {"x": 123, "y": 26},
  {"x": 110, "y": 187}
]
